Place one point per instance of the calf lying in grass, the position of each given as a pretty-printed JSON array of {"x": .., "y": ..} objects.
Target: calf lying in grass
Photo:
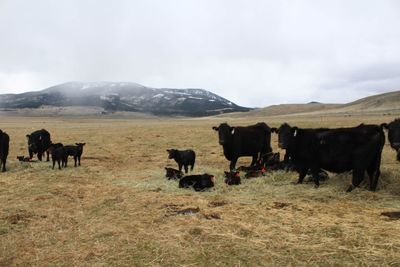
[
  {"x": 256, "y": 173},
  {"x": 173, "y": 173},
  {"x": 199, "y": 182},
  {"x": 232, "y": 178},
  {"x": 75, "y": 151}
]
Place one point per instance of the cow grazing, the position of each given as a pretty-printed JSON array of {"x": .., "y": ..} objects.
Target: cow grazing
[
  {"x": 184, "y": 158},
  {"x": 38, "y": 142},
  {"x": 172, "y": 173},
  {"x": 253, "y": 140},
  {"x": 4, "y": 146},
  {"x": 339, "y": 150},
  {"x": 394, "y": 135},
  {"x": 199, "y": 182},
  {"x": 232, "y": 178},
  {"x": 58, "y": 154},
  {"x": 75, "y": 151}
]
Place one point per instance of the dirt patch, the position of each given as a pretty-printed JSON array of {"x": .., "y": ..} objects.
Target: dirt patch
[
  {"x": 212, "y": 216},
  {"x": 19, "y": 217},
  {"x": 217, "y": 203},
  {"x": 393, "y": 215}
]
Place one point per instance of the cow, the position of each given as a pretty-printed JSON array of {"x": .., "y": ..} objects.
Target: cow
[
  {"x": 38, "y": 142},
  {"x": 232, "y": 178},
  {"x": 199, "y": 182},
  {"x": 75, "y": 151},
  {"x": 253, "y": 140},
  {"x": 394, "y": 135},
  {"x": 184, "y": 158},
  {"x": 58, "y": 154},
  {"x": 4, "y": 146},
  {"x": 172, "y": 173},
  {"x": 357, "y": 149}
]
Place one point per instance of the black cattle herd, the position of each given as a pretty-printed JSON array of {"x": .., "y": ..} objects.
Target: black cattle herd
[
  {"x": 39, "y": 143},
  {"x": 307, "y": 151}
]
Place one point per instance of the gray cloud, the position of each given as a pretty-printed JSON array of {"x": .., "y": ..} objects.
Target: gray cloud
[{"x": 255, "y": 53}]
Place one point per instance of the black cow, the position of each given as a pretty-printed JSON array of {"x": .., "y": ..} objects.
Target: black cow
[
  {"x": 394, "y": 135},
  {"x": 75, "y": 151},
  {"x": 172, "y": 173},
  {"x": 232, "y": 178},
  {"x": 253, "y": 140},
  {"x": 4, "y": 146},
  {"x": 337, "y": 150},
  {"x": 184, "y": 158},
  {"x": 38, "y": 142},
  {"x": 199, "y": 182}
]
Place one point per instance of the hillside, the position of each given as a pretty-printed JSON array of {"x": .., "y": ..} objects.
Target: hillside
[
  {"x": 387, "y": 103},
  {"x": 131, "y": 97}
]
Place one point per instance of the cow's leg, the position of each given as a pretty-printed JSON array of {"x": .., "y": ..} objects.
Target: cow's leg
[
  {"x": 3, "y": 162},
  {"x": 54, "y": 163},
  {"x": 302, "y": 174},
  {"x": 233, "y": 164},
  {"x": 358, "y": 176},
  {"x": 79, "y": 160},
  {"x": 75, "y": 161},
  {"x": 30, "y": 154},
  {"x": 180, "y": 166},
  {"x": 315, "y": 175},
  {"x": 39, "y": 155},
  {"x": 47, "y": 152},
  {"x": 186, "y": 168},
  {"x": 254, "y": 160},
  {"x": 398, "y": 155},
  {"x": 59, "y": 166}
]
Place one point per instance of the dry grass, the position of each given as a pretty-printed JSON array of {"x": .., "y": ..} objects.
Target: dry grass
[{"x": 118, "y": 209}]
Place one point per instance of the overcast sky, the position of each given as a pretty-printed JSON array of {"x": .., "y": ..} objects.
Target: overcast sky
[{"x": 255, "y": 53}]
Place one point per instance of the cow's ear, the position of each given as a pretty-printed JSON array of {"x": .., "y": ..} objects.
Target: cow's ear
[
  {"x": 168, "y": 150},
  {"x": 274, "y": 130},
  {"x": 384, "y": 125},
  {"x": 28, "y": 135},
  {"x": 215, "y": 128}
]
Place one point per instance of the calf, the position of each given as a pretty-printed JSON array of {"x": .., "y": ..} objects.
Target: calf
[
  {"x": 199, "y": 182},
  {"x": 232, "y": 178},
  {"x": 184, "y": 158},
  {"x": 173, "y": 173},
  {"x": 58, "y": 154},
  {"x": 23, "y": 159},
  {"x": 256, "y": 173},
  {"x": 4, "y": 146},
  {"x": 75, "y": 151}
]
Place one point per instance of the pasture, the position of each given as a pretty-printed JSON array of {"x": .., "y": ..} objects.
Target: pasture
[{"x": 118, "y": 209}]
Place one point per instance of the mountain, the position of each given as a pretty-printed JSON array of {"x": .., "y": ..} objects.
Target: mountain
[{"x": 124, "y": 96}]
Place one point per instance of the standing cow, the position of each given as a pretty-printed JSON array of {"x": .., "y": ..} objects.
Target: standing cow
[
  {"x": 357, "y": 149},
  {"x": 38, "y": 143},
  {"x": 4, "y": 145},
  {"x": 253, "y": 140},
  {"x": 394, "y": 135}
]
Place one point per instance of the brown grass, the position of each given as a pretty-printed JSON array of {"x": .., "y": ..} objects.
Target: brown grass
[{"x": 118, "y": 209}]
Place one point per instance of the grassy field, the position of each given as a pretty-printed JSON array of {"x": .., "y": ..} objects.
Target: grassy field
[{"x": 118, "y": 209}]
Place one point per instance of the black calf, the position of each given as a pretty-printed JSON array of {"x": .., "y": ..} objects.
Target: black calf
[
  {"x": 232, "y": 178},
  {"x": 199, "y": 182},
  {"x": 75, "y": 151},
  {"x": 173, "y": 173},
  {"x": 183, "y": 158}
]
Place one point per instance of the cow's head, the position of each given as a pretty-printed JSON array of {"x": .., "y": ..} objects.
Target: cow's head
[
  {"x": 33, "y": 143},
  {"x": 285, "y": 133},
  {"x": 80, "y": 144},
  {"x": 394, "y": 135},
  {"x": 171, "y": 153},
  {"x": 225, "y": 133}
]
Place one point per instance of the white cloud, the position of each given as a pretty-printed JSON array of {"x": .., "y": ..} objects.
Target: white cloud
[{"x": 255, "y": 53}]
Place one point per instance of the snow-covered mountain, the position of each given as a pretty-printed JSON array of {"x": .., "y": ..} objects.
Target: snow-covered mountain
[{"x": 124, "y": 96}]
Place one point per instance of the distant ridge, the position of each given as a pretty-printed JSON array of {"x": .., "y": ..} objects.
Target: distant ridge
[
  {"x": 385, "y": 103},
  {"x": 124, "y": 96}
]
